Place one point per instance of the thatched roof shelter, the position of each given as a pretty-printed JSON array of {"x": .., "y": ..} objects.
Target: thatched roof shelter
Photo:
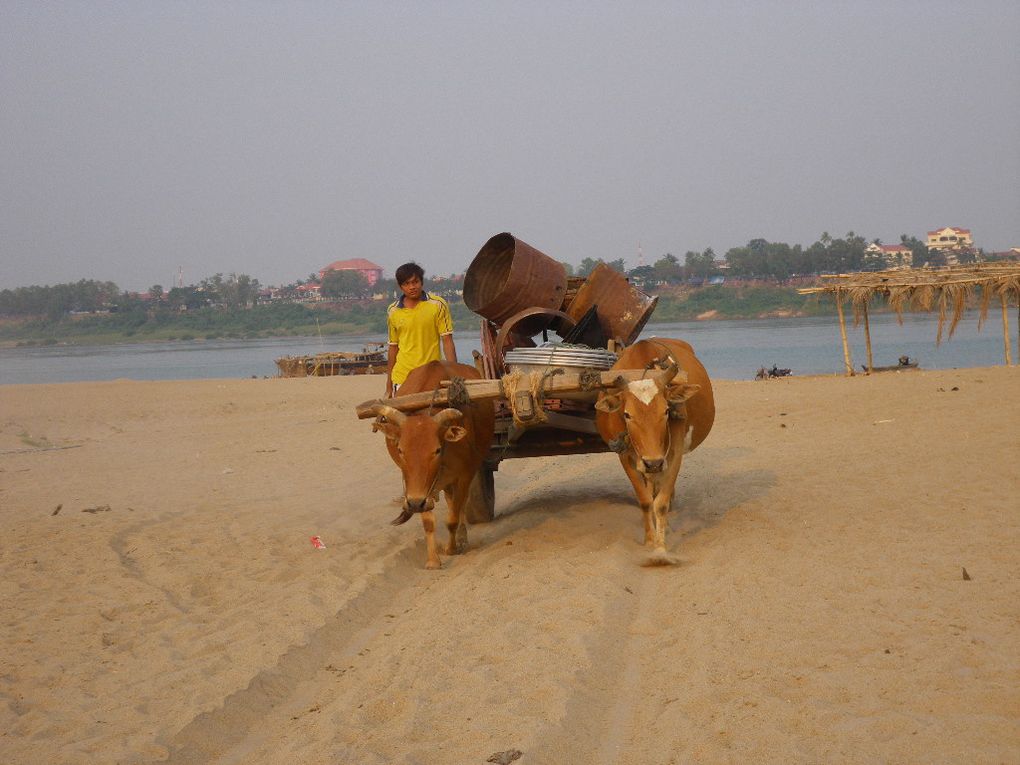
[{"x": 949, "y": 290}]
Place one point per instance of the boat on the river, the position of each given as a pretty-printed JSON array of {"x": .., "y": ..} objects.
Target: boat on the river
[
  {"x": 905, "y": 362},
  {"x": 370, "y": 361}
]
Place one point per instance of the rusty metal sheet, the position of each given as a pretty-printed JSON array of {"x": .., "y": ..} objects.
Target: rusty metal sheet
[
  {"x": 508, "y": 276},
  {"x": 622, "y": 309},
  {"x": 519, "y": 326}
]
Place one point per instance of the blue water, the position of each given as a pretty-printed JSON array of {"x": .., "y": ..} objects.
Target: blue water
[{"x": 731, "y": 350}]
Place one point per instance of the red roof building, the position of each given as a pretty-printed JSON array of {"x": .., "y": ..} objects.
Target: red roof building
[
  {"x": 949, "y": 238},
  {"x": 367, "y": 268}
]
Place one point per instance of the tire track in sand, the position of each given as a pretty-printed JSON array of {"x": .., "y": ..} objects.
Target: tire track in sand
[
  {"x": 601, "y": 714},
  {"x": 211, "y": 736},
  {"x": 607, "y": 702}
]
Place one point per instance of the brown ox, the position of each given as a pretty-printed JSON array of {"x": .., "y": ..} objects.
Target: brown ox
[
  {"x": 437, "y": 452},
  {"x": 652, "y": 423}
]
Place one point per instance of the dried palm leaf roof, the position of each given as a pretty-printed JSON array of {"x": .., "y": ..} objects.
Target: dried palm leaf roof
[{"x": 950, "y": 289}]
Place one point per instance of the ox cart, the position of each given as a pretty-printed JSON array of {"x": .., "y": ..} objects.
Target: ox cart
[{"x": 544, "y": 391}]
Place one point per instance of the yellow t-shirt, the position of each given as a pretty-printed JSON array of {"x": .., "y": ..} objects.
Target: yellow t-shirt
[{"x": 416, "y": 332}]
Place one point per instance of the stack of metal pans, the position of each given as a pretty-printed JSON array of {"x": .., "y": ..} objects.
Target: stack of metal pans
[{"x": 559, "y": 355}]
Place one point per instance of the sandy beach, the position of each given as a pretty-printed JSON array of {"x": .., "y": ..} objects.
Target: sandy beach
[{"x": 849, "y": 589}]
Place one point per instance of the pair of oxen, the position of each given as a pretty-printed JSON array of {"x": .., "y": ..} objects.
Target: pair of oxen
[{"x": 650, "y": 423}]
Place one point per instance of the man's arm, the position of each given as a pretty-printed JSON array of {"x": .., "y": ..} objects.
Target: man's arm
[
  {"x": 391, "y": 359},
  {"x": 449, "y": 349}
]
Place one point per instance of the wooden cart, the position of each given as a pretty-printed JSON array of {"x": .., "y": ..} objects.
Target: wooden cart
[{"x": 543, "y": 409}]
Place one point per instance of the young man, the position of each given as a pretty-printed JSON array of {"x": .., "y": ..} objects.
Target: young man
[{"x": 418, "y": 324}]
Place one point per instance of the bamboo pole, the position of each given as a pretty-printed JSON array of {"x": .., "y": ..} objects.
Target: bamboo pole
[
  {"x": 842, "y": 334},
  {"x": 884, "y": 286},
  {"x": 1005, "y": 331},
  {"x": 867, "y": 339}
]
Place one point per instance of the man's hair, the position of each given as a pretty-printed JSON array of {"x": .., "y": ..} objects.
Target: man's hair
[{"x": 408, "y": 271}]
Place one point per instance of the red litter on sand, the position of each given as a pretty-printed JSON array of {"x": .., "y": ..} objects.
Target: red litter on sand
[{"x": 318, "y": 544}]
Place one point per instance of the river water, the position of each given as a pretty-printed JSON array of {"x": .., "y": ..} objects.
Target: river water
[{"x": 730, "y": 350}]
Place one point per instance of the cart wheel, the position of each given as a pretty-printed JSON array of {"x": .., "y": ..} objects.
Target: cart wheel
[{"x": 481, "y": 501}]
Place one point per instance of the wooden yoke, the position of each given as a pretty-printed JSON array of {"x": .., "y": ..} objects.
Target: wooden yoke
[{"x": 490, "y": 390}]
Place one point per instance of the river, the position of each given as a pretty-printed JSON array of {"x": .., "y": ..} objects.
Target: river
[{"x": 730, "y": 350}]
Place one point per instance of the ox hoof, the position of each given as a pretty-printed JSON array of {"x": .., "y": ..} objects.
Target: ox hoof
[
  {"x": 433, "y": 565},
  {"x": 660, "y": 558}
]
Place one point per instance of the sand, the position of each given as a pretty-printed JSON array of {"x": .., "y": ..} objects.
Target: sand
[{"x": 162, "y": 601}]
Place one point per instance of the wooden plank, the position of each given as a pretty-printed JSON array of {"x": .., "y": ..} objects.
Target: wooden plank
[
  {"x": 490, "y": 390},
  {"x": 570, "y": 422}
]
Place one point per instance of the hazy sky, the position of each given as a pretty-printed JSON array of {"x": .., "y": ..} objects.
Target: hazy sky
[{"x": 272, "y": 138}]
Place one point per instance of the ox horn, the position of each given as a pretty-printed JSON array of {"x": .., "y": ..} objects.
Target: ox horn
[
  {"x": 392, "y": 415},
  {"x": 404, "y": 517},
  {"x": 669, "y": 368},
  {"x": 447, "y": 417}
]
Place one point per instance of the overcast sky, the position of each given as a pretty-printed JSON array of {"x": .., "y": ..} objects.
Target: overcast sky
[{"x": 272, "y": 138}]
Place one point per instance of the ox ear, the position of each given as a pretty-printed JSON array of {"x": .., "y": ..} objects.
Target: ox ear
[
  {"x": 609, "y": 403},
  {"x": 677, "y": 394},
  {"x": 454, "y": 433}
]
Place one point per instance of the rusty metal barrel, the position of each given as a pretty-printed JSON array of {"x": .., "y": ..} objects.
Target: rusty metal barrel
[{"x": 508, "y": 276}]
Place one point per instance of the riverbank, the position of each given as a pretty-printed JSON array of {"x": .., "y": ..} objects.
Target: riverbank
[
  {"x": 848, "y": 591},
  {"x": 740, "y": 302}
]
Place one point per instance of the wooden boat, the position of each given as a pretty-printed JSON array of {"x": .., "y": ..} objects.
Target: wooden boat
[
  {"x": 904, "y": 363},
  {"x": 370, "y": 361}
]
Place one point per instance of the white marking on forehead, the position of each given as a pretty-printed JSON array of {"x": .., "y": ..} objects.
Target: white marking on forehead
[{"x": 644, "y": 390}]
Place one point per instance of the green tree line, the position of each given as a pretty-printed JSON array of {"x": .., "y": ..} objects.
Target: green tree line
[
  {"x": 761, "y": 259},
  {"x": 60, "y": 299},
  {"x": 139, "y": 323},
  {"x": 91, "y": 296}
]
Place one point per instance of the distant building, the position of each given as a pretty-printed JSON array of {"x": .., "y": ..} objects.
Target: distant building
[
  {"x": 267, "y": 295},
  {"x": 950, "y": 238},
  {"x": 892, "y": 256},
  {"x": 951, "y": 242},
  {"x": 309, "y": 292},
  {"x": 366, "y": 268}
]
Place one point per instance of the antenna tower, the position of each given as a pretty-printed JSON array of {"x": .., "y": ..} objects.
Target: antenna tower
[{"x": 180, "y": 276}]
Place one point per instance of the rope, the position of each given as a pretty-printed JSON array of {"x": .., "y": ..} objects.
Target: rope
[
  {"x": 435, "y": 400},
  {"x": 457, "y": 394},
  {"x": 590, "y": 380},
  {"x": 510, "y": 385},
  {"x": 538, "y": 386}
]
